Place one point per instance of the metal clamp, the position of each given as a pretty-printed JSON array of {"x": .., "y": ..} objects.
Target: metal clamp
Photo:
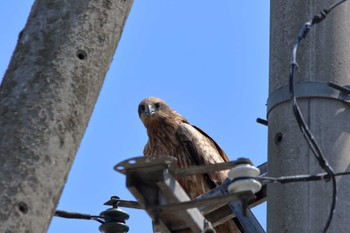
[{"x": 309, "y": 90}]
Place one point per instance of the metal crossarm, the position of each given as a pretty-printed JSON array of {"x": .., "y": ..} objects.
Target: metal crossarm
[{"x": 152, "y": 183}]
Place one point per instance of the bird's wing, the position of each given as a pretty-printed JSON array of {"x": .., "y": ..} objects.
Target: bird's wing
[{"x": 203, "y": 149}]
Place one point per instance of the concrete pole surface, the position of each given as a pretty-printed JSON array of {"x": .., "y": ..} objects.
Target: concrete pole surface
[
  {"x": 46, "y": 99},
  {"x": 324, "y": 56}
]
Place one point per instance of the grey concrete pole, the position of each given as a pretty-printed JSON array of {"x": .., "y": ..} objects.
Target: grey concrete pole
[
  {"x": 324, "y": 56},
  {"x": 46, "y": 99}
]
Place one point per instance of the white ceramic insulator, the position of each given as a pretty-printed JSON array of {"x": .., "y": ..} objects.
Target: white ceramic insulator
[
  {"x": 244, "y": 185},
  {"x": 244, "y": 170}
]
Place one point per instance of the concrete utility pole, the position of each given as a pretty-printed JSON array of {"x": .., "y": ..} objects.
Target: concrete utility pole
[
  {"x": 46, "y": 99},
  {"x": 323, "y": 56}
]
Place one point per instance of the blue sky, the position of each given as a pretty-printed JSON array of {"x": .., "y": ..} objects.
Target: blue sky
[{"x": 208, "y": 61}]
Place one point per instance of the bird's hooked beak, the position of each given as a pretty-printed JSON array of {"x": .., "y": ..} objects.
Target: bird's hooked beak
[{"x": 149, "y": 110}]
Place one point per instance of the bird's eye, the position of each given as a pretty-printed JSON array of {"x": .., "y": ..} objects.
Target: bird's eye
[
  {"x": 157, "y": 105},
  {"x": 141, "y": 108}
]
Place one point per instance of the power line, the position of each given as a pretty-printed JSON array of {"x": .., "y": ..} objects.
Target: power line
[{"x": 290, "y": 179}]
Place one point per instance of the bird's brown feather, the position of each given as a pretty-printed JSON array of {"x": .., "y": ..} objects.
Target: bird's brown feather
[{"x": 203, "y": 149}]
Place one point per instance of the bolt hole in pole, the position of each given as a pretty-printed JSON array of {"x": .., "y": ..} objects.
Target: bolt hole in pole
[
  {"x": 81, "y": 54},
  {"x": 278, "y": 138},
  {"x": 23, "y": 207}
]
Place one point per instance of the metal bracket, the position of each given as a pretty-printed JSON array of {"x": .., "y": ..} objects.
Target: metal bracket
[
  {"x": 152, "y": 183},
  {"x": 309, "y": 90},
  {"x": 157, "y": 191}
]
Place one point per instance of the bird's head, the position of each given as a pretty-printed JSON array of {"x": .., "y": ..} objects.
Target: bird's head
[{"x": 154, "y": 110}]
